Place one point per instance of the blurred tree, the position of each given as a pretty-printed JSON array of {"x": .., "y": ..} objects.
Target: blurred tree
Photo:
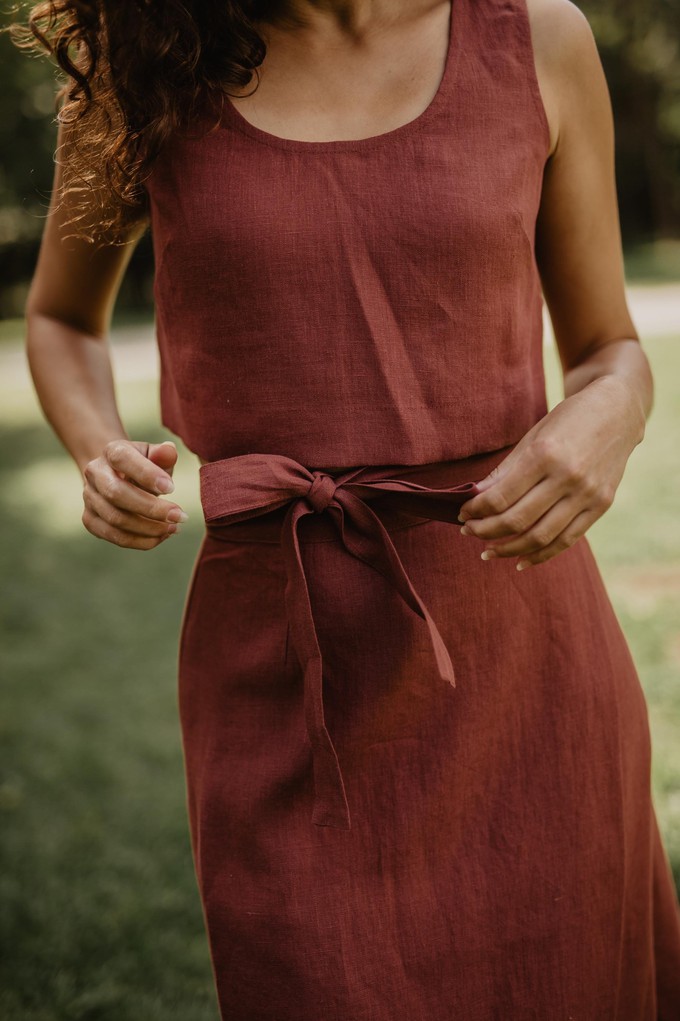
[
  {"x": 28, "y": 137},
  {"x": 639, "y": 42},
  {"x": 28, "y": 131}
]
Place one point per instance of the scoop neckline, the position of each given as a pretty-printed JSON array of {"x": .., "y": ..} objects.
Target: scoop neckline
[{"x": 232, "y": 117}]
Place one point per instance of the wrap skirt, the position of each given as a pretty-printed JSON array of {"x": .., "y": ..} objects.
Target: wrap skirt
[{"x": 418, "y": 783}]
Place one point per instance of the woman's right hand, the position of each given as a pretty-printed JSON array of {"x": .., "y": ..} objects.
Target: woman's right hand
[{"x": 122, "y": 490}]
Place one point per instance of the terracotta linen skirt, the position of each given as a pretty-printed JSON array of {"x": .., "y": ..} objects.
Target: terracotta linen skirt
[{"x": 418, "y": 783}]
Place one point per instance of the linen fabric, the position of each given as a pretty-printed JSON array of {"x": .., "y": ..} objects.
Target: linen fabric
[
  {"x": 418, "y": 783},
  {"x": 238, "y": 487},
  {"x": 373, "y": 301}
]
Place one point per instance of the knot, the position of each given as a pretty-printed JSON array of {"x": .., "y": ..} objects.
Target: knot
[{"x": 321, "y": 491}]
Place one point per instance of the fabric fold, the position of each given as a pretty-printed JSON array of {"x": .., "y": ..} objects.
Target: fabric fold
[{"x": 246, "y": 486}]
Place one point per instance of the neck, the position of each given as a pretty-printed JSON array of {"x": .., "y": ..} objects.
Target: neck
[{"x": 354, "y": 18}]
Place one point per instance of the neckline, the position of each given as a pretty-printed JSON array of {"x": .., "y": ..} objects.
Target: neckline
[{"x": 231, "y": 116}]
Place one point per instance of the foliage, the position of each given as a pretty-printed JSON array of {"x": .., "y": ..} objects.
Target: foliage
[
  {"x": 28, "y": 134},
  {"x": 639, "y": 42}
]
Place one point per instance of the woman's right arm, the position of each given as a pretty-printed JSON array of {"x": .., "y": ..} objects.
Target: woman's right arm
[{"x": 68, "y": 315}]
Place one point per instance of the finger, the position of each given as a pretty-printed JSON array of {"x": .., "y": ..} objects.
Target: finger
[
  {"x": 512, "y": 479},
  {"x": 124, "y": 519},
  {"x": 103, "y": 530},
  {"x": 163, "y": 455},
  {"x": 541, "y": 533},
  {"x": 574, "y": 531},
  {"x": 120, "y": 492},
  {"x": 518, "y": 518},
  {"x": 124, "y": 456}
]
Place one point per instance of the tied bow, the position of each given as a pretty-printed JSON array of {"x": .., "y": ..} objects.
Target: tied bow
[{"x": 245, "y": 486}]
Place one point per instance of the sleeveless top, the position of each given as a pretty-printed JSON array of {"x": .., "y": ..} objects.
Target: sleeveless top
[{"x": 358, "y": 302}]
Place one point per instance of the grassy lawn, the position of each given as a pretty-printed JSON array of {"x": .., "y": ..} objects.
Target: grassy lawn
[
  {"x": 653, "y": 262},
  {"x": 98, "y": 905}
]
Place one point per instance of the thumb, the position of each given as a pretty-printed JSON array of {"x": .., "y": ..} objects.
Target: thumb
[
  {"x": 494, "y": 475},
  {"x": 164, "y": 455},
  {"x": 515, "y": 455}
]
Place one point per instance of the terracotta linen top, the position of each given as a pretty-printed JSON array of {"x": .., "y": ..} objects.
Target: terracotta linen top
[{"x": 366, "y": 301}]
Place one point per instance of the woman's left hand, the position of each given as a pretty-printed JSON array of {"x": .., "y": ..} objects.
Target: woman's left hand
[{"x": 561, "y": 476}]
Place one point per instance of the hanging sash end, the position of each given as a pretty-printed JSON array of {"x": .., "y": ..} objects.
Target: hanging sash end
[{"x": 330, "y": 800}]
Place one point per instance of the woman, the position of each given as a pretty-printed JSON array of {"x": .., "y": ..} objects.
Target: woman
[{"x": 349, "y": 261}]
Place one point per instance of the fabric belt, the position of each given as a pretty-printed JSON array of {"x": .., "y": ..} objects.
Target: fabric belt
[{"x": 245, "y": 486}]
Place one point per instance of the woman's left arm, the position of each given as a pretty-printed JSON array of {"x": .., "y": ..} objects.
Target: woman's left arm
[{"x": 563, "y": 474}]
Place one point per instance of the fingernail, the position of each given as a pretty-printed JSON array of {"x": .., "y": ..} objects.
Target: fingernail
[
  {"x": 465, "y": 530},
  {"x": 177, "y": 515},
  {"x": 462, "y": 518},
  {"x": 164, "y": 484},
  {"x": 521, "y": 564},
  {"x": 488, "y": 554},
  {"x": 173, "y": 528}
]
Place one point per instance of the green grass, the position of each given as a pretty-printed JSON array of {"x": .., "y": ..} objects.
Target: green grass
[
  {"x": 12, "y": 330},
  {"x": 653, "y": 261},
  {"x": 637, "y": 546},
  {"x": 99, "y": 913}
]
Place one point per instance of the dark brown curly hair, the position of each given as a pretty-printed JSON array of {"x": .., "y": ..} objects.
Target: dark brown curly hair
[{"x": 136, "y": 72}]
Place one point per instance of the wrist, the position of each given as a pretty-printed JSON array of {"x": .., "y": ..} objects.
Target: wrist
[
  {"x": 93, "y": 448},
  {"x": 629, "y": 407}
]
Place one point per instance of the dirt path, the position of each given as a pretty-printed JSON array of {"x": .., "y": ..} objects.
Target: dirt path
[{"x": 655, "y": 309}]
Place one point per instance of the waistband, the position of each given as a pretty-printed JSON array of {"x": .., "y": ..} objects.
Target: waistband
[{"x": 263, "y": 497}]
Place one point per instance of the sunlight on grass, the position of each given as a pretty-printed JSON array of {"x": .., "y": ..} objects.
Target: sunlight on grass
[
  {"x": 48, "y": 490},
  {"x": 52, "y": 499}
]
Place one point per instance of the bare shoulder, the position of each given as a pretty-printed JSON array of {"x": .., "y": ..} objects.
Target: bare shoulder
[
  {"x": 568, "y": 64},
  {"x": 561, "y": 34}
]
